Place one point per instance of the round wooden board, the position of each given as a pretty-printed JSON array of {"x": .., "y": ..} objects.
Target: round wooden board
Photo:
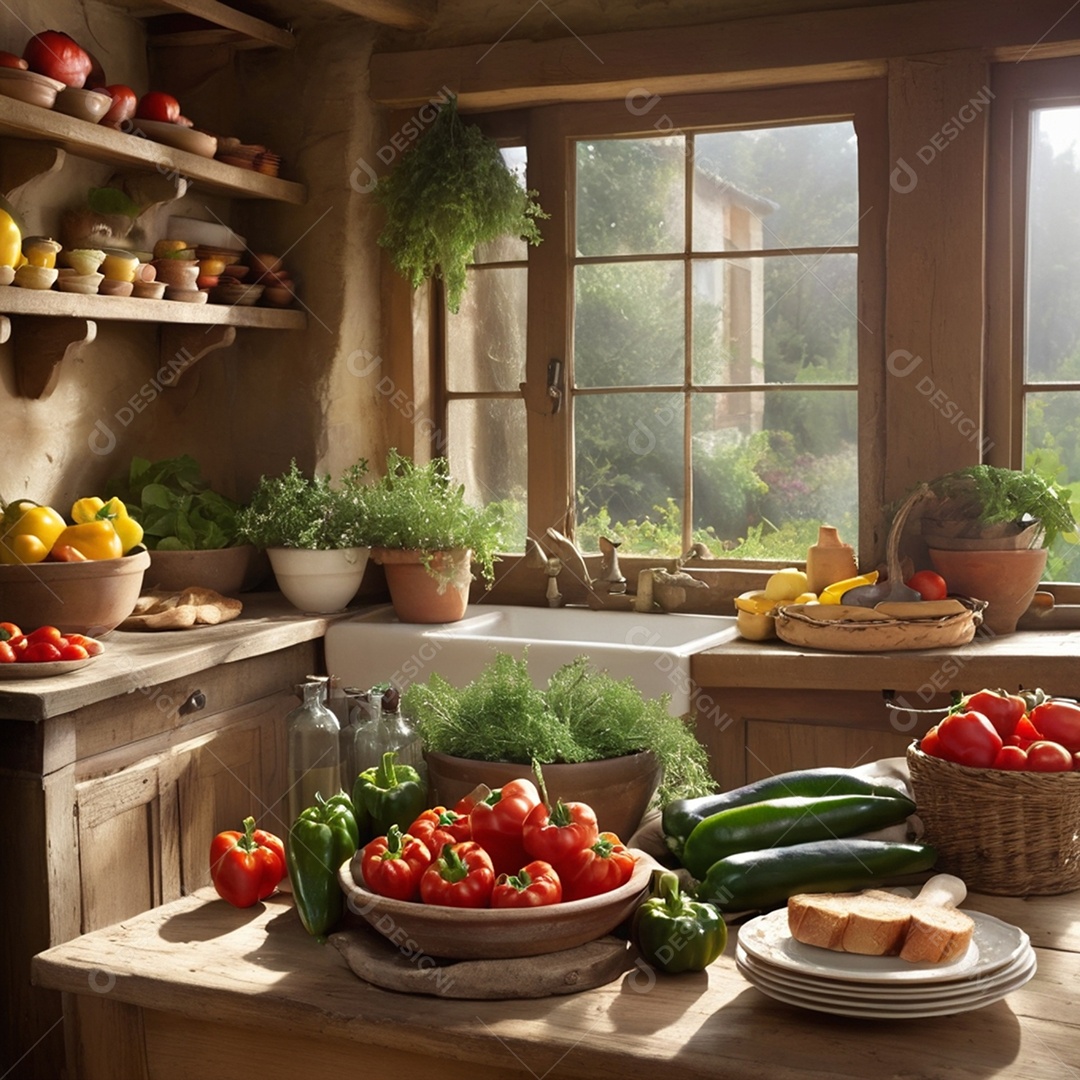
[{"x": 376, "y": 960}]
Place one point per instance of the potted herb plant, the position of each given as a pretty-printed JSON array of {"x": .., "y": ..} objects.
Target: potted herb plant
[
  {"x": 189, "y": 529},
  {"x": 314, "y": 532},
  {"x": 427, "y": 537},
  {"x": 988, "y": 530},
  {"x": 449, "y": 193},
  {"x": 597, "y": 739}
]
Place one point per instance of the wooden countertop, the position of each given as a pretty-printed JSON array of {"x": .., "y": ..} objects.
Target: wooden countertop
[
  {"x": 1049, "y": 658},
  {"x": 135, "y": 659},
  {"x": 206, "y": 967}
]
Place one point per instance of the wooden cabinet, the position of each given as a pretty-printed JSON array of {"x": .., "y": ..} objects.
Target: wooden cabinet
[{"x": 111, "y": 808}]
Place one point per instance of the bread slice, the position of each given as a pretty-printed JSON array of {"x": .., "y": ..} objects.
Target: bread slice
[{"x": 926, "y": 928}]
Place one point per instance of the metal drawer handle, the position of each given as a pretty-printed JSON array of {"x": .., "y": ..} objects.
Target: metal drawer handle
[{"x": 196, "y": 700}]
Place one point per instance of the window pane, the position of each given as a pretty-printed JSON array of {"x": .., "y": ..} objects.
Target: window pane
[
  {"x": 1053, "y": 265},
  {"x": 770, "y": 467},
  {"x": 776, "y": 188},
  {"x": 485, "y": 341},
  {"x": 628, "y": 460},
  {"x": 487, "y": 453},
  {"x": 628, "y": 324},
  {"x": 1052, "y": 448},
  {"x": 630, "y": 196},
  {"x": 785, "y": 319}
]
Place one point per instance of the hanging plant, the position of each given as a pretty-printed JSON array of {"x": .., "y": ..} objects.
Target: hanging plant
[{"x": 452, "y": 191}]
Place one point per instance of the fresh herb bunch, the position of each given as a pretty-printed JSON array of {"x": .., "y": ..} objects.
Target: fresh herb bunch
[
  {"x": 296, "y": 511},
  {"x": 997, "y": 496},
  {"x": 582, "y": 715},
  {"x": 450, "y": 192},
  {"x": 420, "y": 508},
  {"x": 175, "y": 505}
]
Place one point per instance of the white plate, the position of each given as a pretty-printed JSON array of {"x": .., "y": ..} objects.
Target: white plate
[
  {"x": 902, "y": 1010},
  {"x": 888, "y": 992},
  {"x": 993, "y": 944},
  {"x": 43, "y": 670},
  {"x": 177, "y": 136}
]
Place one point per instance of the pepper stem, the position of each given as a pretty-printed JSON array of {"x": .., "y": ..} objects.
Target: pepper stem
[
  {"x": 385, "y": 775},
  {"x": 451, "y": 867},
  {"x": 247, "y": 841}
]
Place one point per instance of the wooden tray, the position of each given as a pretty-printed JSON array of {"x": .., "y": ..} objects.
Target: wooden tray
[{"x": 375, "y": 959}]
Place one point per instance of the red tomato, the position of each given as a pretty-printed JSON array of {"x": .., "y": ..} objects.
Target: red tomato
[
  {"x": 1011, "y": 757},
  {"x": 159, "y": 106},
  {"x": 968, "y": 738},
  {"x": 92, "y": 646},
  {"x": 41, "y": 652},
  {"x": 1001, "y": 709},
  {"x": 1047, "y": 756},
  {"x": 928, "y": 585},
  {"x": 10, "y": 60},
  {"x": 122, "y": 109},
  {"x": 59, "y": 57},
  {"x": 73, "y": 652},
  {"x": 9, "y": 630},
  {"x": 45, "y": 633},
  {"x": 532, "y": 886},
  {"x": 1058, "y": 720},
  {"x": 7, "y": 653}
]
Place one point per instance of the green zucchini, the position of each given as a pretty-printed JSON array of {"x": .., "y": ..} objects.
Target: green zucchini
[
  {"x": 680, "y": 816},
  {"x": 783, "y": 822},
  {"x": 758, "y": 880}
]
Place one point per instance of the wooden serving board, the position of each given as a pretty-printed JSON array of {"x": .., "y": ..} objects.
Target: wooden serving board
[{"x": 377, "y": 960}]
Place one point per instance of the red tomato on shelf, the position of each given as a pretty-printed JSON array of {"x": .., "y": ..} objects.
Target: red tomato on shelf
[
  {"x": 57, "y": 56},
  {"x": 928, "y": 585},
  {"x": 1046, "y": 756},
  {"x": 157, "y": 105},
  {"x": 1011, "y": 758},
  {"x": 122, "y": 109},
  {"x": 39, "y": 652}
]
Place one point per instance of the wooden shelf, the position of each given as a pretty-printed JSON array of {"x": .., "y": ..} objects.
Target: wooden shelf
[
  {"x": 221, "y": 24},
  {"x": 16, "y": 301},
  {"x": 119, "y": 148}
]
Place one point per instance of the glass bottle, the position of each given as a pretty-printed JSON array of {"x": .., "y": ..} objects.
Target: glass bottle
[
  {"x": 368, "y": 736},
  {"x": 400, "y": 735},
  {"x": 313, "y": 749}
]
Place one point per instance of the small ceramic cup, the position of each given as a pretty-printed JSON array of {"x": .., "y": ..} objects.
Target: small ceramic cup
[
  {"x": 119, "y": 265},
  {"x": 41, "y": 251}
]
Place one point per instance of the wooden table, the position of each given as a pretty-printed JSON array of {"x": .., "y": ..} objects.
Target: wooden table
[{"x": 200, "y": 988}]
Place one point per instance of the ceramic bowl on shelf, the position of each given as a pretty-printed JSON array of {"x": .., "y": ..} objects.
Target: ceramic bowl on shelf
[
  {"x": 89, "y": 105},
  {"x": 85, "y": 284},
  {"x": 7, "y": 275},
  {"x": 29, "y": 86},
  {"x": 111, "y": 287},
  {"x": 148, "y": 290},
  {"x": 84, "y": 260},
  {"x": 495, "y": 933},
  {"x": 178, "y": 273},
  {"x": 35, "y": 277},
  {"x": 185, "y": 296},
  {"x": 177, "y": 136}
]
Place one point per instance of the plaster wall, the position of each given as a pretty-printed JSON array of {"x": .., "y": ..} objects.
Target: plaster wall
[{"x": 272, "y": 396}]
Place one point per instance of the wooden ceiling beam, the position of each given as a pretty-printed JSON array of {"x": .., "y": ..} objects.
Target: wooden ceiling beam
[
  {"x": 839, "y": 44},
  {"x": 404, "y": 14}
]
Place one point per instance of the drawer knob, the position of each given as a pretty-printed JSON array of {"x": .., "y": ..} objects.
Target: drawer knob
[{"x": 196, "y": 700}]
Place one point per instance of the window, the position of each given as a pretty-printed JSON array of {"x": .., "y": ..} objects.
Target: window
[
  {"x": 1034, "y": 397},
  {"x": 693, "y": 336}
]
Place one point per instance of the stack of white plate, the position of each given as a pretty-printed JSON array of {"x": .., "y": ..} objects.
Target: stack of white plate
[{"x": 999, "y": 960}]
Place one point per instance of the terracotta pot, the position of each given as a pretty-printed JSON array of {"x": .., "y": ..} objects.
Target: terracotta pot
[
  {"x": 225, "y": 570},
  {"x": 1006, "y": 580},
  {"x": 618, "y": 789},
  {"x": 318, "y": 580},
  {"x": 76, "y": 597},
  {"x": 436, "y": 593}
]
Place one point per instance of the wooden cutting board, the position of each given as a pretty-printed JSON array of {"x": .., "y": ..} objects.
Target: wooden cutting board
[{"x": 377, "y": 960}]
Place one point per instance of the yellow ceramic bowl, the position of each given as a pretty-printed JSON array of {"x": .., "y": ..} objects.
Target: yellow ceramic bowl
[
  {"x": 41, "y": 251},
  {"x": 120, "y": 265}
]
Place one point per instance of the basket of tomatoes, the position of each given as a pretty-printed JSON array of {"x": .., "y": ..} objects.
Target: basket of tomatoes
[{"x": 997, "y": 785}]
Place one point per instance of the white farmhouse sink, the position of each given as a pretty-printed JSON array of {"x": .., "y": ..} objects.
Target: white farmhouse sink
[{"x": 653, "y": 650}]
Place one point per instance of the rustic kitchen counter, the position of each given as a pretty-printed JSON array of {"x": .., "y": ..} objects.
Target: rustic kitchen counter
[{"x": 200, "y": 988}]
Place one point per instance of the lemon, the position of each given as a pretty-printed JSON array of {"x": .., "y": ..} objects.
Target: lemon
[
  {"x": 10, "y": 240},
  {"x": 754, "y": 602},
  {"x": 785, "y": 585}
]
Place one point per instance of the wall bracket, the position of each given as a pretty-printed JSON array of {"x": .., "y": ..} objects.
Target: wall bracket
[{"x": 41, "y": 344}]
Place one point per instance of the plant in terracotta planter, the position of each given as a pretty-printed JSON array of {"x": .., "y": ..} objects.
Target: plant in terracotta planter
[
  {"x": 596, "y": 738},
  {"x": 314, "y": 532},
  {"x": 428, "y": 537},
  {"x": 450, "y": 192}
]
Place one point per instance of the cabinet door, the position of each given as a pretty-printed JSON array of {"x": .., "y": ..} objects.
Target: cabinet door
[
  {"x": 232, "y": 773},
  {"x": 128, "y": 859}
]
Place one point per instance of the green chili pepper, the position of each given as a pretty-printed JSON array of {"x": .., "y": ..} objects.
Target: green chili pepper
[
  {"x": 320, "y": 840},
  {"x": 391, "y": 794},
  {"x": 675, "y": 933}
]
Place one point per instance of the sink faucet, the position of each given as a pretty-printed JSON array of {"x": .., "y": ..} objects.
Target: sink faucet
[{"x": 569, "y": 558}]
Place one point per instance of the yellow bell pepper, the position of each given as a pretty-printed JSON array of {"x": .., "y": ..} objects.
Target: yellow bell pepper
[
  {"x": 28, "y": 532},
  {"x": 95, "y": 509},
  {"x": 10, "y": 241},
  {"x": 95, "y": 539},
  {"x": 831, "y": 594}
]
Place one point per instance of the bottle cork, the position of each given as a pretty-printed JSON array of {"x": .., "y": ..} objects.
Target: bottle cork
[{"x": 829, "y": 560}]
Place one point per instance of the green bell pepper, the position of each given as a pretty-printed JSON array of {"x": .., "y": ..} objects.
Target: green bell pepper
[
  {"x": 320, "y": 840},
  {"x": 391, "y": 794},
  {"x": 675, "y": 933}
]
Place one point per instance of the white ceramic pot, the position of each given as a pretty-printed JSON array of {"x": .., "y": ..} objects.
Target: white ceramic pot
[{"x": 320, "y": 581}]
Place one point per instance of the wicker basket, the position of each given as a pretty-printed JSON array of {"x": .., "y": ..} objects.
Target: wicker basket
[{"x": 1007, "y": 833}]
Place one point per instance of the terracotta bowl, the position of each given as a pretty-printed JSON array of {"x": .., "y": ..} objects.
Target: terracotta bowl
[
  {"x": 618, "y": 789},
  {"x": 29, "y": 86},
  {"x": 225, "y": 570},
  {"x": 78, "y": 598},
  {"x": 495, "y": 933},
  {"x": 89, "y": 105}
]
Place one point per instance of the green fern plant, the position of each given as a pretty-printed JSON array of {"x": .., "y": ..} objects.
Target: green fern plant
[{"x": 449, "y": 193}]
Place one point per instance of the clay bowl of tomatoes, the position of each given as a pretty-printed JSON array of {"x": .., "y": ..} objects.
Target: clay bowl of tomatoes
[
  {"x": 90, "y": 598},
  {"x": 487, "y": 933}
]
